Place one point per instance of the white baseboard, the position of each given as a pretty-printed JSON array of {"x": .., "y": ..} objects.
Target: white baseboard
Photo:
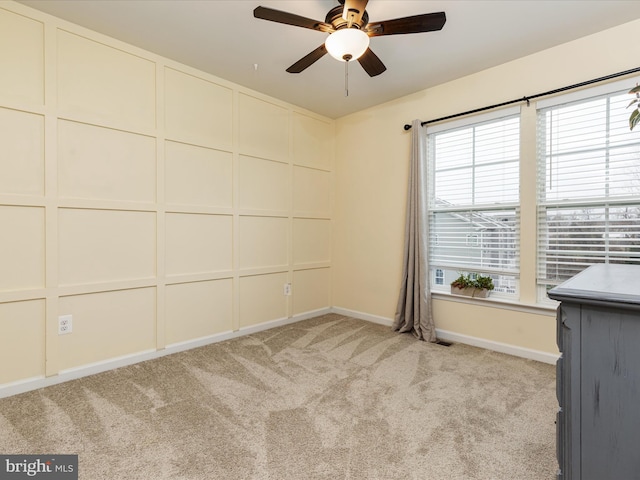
[
  {"x": 35, "y": 383},
  {"x": 538, "y": 355},
  {"x": 363, "y": 316},
  {"x": 283, "y": 321},
  {"x": 449, "y": 336},
  {"x": 22, "y": 386}
]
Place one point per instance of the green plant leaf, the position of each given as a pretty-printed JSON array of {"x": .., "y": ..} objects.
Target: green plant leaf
[
  {"x": 480, "y": 282},
  {"x": 634, "y": 119},
  {"x": 635, "y": 89},
  {"x": 463, "y": 281},
  {"x": 484, "y": 282},
  {"x": 635, "y": 100}
]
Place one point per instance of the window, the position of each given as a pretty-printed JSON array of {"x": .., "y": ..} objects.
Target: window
[
  {"x": 585, "y": 206},
  {"x": 439, "y": 278},
  {"x": 588, "y": 187},
  {"x": 474, "y": 199}
]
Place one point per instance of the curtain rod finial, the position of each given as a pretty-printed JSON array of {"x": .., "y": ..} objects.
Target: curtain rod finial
[{"x": 407, "y": 126}]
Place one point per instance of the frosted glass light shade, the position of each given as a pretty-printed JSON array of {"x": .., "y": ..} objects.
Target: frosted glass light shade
[{"x": 345, "y": 42}]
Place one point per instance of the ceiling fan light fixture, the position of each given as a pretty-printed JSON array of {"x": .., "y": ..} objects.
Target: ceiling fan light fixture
[{"x": 347, "y": 44}]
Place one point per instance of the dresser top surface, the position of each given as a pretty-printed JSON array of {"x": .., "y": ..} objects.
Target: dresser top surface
[{"x": 602, "y": 283}]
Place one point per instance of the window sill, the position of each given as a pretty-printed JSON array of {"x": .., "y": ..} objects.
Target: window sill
[{"x": 496, "y": 302}]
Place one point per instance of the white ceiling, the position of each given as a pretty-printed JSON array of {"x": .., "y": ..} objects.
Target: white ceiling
[{"x": 223, "y": 38}]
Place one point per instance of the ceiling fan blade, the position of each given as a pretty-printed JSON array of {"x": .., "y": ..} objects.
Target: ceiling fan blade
[
  {"x": 371, "y": 63},
  {"x": 308, "y": 60},
  {"x": 427, "y": 22},
  {"x": 354, "y": 9},
  {"x": 287, "y": 18}
]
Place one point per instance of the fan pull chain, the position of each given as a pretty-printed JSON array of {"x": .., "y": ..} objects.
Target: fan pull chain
[
  {"x": 346, "y": 79},
  {"x": 346, "y": 58}
]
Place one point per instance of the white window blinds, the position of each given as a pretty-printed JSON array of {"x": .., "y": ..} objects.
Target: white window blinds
[
  {"x": 474, "y": 200},
  {"x": 588, "y": 187}
]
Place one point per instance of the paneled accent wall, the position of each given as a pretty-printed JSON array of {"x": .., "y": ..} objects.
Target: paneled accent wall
[{"x": 157, "y": 205}]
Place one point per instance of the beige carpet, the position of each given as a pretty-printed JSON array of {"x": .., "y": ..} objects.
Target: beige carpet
[{"x": 326, "y": 398}]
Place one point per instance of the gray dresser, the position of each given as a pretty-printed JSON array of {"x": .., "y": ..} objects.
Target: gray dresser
[{"x": 598, "y": 374}]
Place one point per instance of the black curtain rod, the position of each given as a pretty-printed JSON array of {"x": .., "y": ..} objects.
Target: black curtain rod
[{"x": 531, "y": 97}]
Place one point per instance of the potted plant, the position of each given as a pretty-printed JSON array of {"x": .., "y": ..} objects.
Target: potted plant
[
  {"x": 463, "y": 285},
  {"x": 480, "y": 286},
  {"x": 483, "y": 285}
]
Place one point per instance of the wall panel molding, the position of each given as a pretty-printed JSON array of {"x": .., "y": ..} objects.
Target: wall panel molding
[{"x": 160, "y": 206}]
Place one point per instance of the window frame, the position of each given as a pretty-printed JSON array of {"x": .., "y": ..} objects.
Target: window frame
[
  {"x": 605, "y": 202},
  {"x": 474, "y": 208}
]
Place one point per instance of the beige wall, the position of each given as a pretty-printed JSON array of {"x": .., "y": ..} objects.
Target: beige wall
[
  {"x": 371, "y": 187},
  {"x": 154, "y": 203},
  {"x": 158, "y": 205}
]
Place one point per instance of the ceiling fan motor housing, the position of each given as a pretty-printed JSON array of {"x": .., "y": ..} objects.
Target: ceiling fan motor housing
[{"x": 334, "y": 17}]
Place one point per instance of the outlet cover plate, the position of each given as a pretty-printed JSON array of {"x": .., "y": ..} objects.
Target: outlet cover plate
[{"x": 65, "y": 324}]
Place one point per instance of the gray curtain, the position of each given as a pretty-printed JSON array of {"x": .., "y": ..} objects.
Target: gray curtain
[{"x": 413, "y": 313}]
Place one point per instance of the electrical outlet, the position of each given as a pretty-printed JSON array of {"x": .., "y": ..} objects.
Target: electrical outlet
[
  {"x": 65, "y": 324},
  {"x": 287, "y": 289}
]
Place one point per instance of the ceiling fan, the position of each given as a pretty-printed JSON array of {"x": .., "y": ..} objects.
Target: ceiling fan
[{"x": 349, "y": 29}]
